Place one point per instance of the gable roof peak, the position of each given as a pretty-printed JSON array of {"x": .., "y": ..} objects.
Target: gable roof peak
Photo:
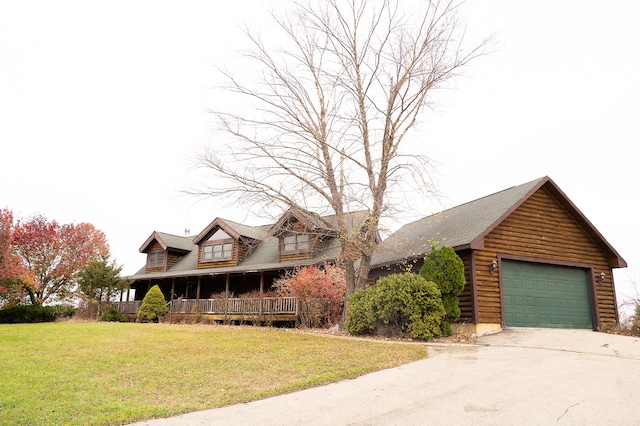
[
  {"x": 234, "y": 229},
  {"x": 309, "y": 220},
  {"x": 318, "y": 223},
  {"x": 168, "y": 241},
  {"x": 466, "y": 225}
]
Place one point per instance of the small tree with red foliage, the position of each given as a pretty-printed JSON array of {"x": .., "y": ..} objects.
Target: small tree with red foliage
[
  {"x": 13, "y": 274},
  {"x": 320, "y": 292},
  {"x": 53, "y": 254}
]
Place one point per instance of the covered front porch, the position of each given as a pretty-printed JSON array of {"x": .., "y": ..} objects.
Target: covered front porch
[
  {"x": 225, "y": 297},
  {"x": 204, "y": 285},
  {"x": 225, "y": 309}
]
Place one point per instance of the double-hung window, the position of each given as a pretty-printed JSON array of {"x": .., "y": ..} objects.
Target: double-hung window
[
  {"x": 155, "y": 259},
  {"x": 213, "y": 252},
  {"x": 296, "y": 243}
]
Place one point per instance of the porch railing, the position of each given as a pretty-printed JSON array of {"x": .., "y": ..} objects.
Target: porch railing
[
  {"x": 128, "y": 307},
  {"x": 231, "y": 306}
]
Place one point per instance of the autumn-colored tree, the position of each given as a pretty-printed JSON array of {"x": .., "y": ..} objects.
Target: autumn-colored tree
[
  {"x": 13, "y": 273},
  {"x": 320, "y": 292},
  {"x": 100, "y": 281},
  {"x": 53, "y": 254}
]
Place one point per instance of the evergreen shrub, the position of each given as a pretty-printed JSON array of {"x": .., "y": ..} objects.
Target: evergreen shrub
[
  {"x": 113, "y": 315},
  {"x": 35, "y": 313},
  {"x": 398, "y": 304},
  {"x": 444, "y": 267},
  {"x": 153, "y": 306}
]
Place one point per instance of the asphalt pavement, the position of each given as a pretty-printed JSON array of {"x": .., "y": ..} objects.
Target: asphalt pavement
[{"x": 519, "y": 376}]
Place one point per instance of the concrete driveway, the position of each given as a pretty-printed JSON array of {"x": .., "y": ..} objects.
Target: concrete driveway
[{"x": 519, "y": 376}]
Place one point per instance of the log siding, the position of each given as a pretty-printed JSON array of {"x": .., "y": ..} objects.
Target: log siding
[
  {"x": 465, "y": 298},
  {"x": 153, "y": 248},
  {"x": 233, "y": 261},
  {"x": 541, "y": 230}
]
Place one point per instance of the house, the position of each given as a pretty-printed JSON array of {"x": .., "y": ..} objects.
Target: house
[
  {"x": 531, "y": 259},
  {"x": 226, "y": 269}
]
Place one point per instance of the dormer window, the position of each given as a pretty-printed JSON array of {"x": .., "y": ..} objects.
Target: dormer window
[
  {"x": 218, "y": 247},
  {"x": 155, "y": 259},
  {"x": 296, "y": 243},
  {"x": 212, "y": 252}
]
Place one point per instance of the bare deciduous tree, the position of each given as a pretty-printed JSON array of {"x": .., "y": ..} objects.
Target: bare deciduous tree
[{"x": 321, "y": 130}]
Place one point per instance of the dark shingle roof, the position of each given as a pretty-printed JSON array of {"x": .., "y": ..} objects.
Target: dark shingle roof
[
  {"x": 455, "y": 227},
  {"x": 466, "y": 225},
  {"x": 265, "y": 256},
  {"x": 169, "y": 241}
]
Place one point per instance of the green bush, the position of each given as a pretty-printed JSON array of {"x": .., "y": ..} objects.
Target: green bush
[
  {"x": 361, "y": 317},
  {"x": 153, "y": 306},
  {"x": 35, "y": 313},
  {"x": 113, "y": 315},
  {"x": 398, "y": 304},
  {"x": 445, "y": 268},
  {"x": 64, "y": 311}
]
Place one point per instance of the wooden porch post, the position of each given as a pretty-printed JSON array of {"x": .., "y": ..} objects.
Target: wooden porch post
[
  {"x": 173, "y": 287},
  {"x": 261, "y": 282},
  {"x": 227, "y": 284},
  {"x": 198, "y": 290}
]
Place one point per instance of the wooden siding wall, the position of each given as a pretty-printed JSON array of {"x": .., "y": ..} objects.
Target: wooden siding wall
[
  {"x": 153, "y": 248},
  {"x": 295, "y": 256},
  {"x": 218, "y": 263},
  {"x": 465, "y": 298},
  {"x": 540, "y": 229},
  {"x": 243, "y": 250},
  {"x": 296, "y": 227},
  {"x": 314, "y": 242},
  {"x": 172, "y": 259}
]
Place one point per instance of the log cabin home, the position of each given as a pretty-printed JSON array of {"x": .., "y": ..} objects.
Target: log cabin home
[
  {"x": 531, "y": 259},
  {"x": 228, "y": 269}
]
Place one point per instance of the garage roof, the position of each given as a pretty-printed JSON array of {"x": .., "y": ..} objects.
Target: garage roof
[{"x": 466, "y": 225}]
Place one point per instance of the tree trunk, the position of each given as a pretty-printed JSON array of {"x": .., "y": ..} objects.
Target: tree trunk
[{"x": 350, "y": 278}]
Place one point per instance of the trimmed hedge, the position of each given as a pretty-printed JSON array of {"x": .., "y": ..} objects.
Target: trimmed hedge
[{"x": 35, "y": 313}]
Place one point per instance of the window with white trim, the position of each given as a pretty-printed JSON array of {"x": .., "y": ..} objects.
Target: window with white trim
[
  {"x": 295, "y": 243},
  {"x": 213, "y": 252}
]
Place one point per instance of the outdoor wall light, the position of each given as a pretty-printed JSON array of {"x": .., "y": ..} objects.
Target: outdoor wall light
[
  {"x": 601, "y": 277},
  {"x": 493, "y": 266}
]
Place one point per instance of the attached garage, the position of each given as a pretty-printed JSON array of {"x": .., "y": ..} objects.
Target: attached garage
[
  {"x": 542, "y": 295},
  {"x": 531, "y": 258}
]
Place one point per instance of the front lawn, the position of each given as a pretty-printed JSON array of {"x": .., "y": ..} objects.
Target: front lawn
[{"x": 117, "y": 373}]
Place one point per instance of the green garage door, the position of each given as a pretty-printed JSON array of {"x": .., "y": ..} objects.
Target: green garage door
[{"x": 539, "y": 295}]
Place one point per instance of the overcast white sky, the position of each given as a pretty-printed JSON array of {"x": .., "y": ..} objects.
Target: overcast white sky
[{"x": 103, "y": 105}]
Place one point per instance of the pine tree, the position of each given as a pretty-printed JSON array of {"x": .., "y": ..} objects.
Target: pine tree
[
  {"x": 445, "y": 268},
  {"x": 153, "y": 306}
]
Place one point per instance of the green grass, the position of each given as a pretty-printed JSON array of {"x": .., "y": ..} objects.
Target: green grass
[{"x": 114, "y": 373}]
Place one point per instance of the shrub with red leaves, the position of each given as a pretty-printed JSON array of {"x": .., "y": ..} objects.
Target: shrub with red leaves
[{"x": 320, "y": 292}]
